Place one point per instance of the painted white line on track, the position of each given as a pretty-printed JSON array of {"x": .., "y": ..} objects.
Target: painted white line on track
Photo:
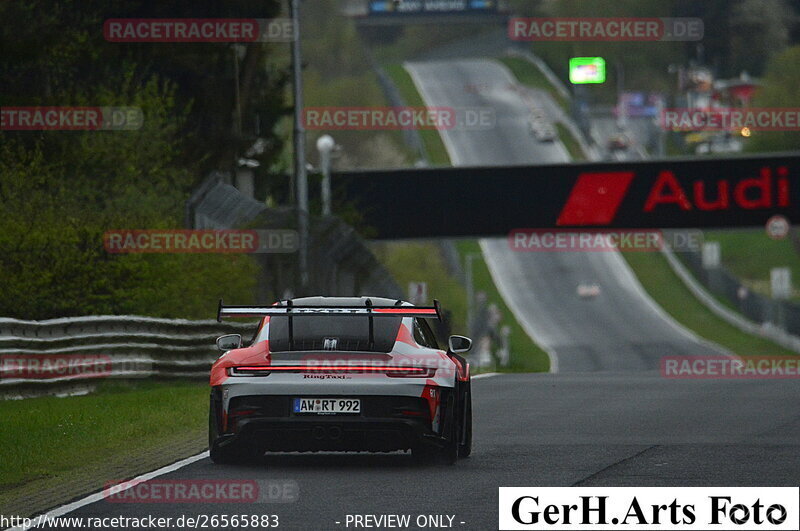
[
  {"x": 485, "y": 375},
  {"x": 99, "y": 496}
]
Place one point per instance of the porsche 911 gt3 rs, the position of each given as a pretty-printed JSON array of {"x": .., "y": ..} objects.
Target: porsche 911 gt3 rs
[{"x": 340, "y": 374}]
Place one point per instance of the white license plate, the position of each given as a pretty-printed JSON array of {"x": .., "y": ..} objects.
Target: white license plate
[{"x": 327, "y": 406}]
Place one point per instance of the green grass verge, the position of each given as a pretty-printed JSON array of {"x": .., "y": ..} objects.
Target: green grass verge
[
  {"x": 437, "y": 154},
  {"x": 750, "y": 254},
  {"x": 423, "y": 262},
  {"x": 674, "y": 297},
  {"x": 575, "y": 151},
  {"x": 529, "y": 75},
  {"x": 51, "y": 437}
]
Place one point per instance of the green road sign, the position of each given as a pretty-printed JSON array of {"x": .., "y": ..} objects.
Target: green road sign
[{"x": 583, "y": 70}]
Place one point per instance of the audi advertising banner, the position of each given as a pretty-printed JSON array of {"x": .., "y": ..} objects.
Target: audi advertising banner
[{"x": 735, "y": 192}]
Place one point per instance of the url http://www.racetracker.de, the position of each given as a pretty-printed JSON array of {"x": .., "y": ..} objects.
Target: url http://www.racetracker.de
[{"x": 199, "y": 521}]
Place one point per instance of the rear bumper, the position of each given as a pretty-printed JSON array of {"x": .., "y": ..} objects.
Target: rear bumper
[
  {"x": 385, "y": 423},
  {"x": 330, "y": 433}
]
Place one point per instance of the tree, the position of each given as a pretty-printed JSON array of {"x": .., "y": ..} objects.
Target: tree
[
  {"x": 61, "y": 191},
  {"x": 781, "y": 88},
  {"x": 758, "y": 29}
]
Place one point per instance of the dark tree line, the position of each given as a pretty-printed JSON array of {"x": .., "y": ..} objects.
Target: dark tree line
[{"x": 61, "y": 190}]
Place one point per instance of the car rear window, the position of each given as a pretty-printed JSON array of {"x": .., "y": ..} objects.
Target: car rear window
[{"x": 351, "y": 334}]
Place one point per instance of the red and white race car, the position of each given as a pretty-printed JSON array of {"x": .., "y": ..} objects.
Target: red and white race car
[{"x": 340, "y": 374}]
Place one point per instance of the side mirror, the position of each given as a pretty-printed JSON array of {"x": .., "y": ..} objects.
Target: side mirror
[
  {"x": 229, "y": 342},
  {"x": 459, "y": 344}
]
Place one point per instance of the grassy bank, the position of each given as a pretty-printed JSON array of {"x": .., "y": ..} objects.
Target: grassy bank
[
  {"x": 573, "y": 148},
  {"x": 53, "y": 437},
  {"x": 437, "y": 154},
  {"x": 674, "y": 297},
  {"x": 750, "y": 254},
  {"x": 420, "y": 261},
  {"x": 528, "y": 75}
]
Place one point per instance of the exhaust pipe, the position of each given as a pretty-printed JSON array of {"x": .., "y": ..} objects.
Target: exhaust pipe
[{"x": 335, "y": 433}]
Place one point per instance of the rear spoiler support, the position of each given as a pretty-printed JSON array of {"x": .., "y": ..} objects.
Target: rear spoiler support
[
  {"x": 291, "y": 326},
  {"x": 371, "y": 340}
]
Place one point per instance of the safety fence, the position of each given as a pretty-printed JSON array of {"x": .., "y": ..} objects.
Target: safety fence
[
  {"x": 67, "y": 355},
  {"x": 759, "y": 308}
]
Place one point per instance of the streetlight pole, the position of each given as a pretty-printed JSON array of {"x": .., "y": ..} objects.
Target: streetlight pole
[
  {"x": 300, "y": 150},
  {"x": 325, "y": 145}
]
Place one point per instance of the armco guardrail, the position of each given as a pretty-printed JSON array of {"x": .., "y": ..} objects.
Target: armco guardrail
[{"x": 39, "y": 357}]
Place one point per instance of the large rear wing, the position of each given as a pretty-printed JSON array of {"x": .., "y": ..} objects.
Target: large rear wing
[{"x": 287, "y": 309}]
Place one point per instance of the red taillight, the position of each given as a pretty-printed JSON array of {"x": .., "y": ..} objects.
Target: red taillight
[
  {"x": 249, "y": 371},
  {"x": 395, "y": 372},
  {"x": 416, "y": 372}
]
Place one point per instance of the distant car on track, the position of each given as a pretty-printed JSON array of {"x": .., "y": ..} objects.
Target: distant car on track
[
  {"x": 340, "y": 374},
  {"x": 541, "y": 129},
  {"x": 619, "y": 142},
  {"x": 719, "y": 144},
  {"x": 588, "y": 290}
]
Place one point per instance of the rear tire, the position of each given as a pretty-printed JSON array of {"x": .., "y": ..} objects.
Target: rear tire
[
  {"x": 465, "y": 448},
  {"x": 450, "y": 452},
  {"x": 232, "y": 453},
  {"x": 223, "y": 456}
]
